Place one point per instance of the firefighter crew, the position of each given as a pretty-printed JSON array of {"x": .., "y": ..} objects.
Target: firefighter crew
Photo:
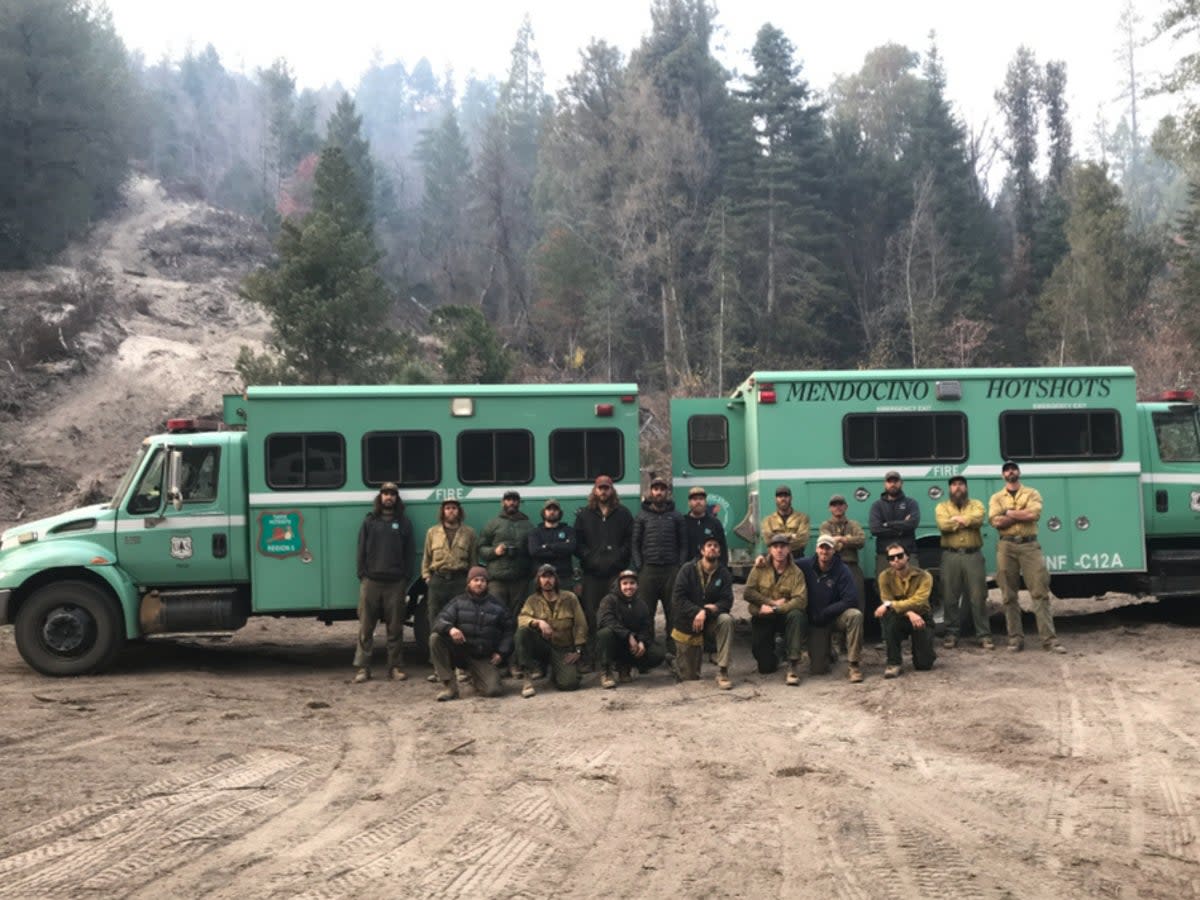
[
  {"x": 472, "y": 633},
  {"x": 963, "y": 576},
  {"x": 786, "y": 520},
  {"x": 700, "y": 607},
  {"x": 551, "y": 633},
  {"x": 384, "y": 563},
  {"x": 849, "y": 538},
  {"x": 450, "y": 551},
  {"x": 1014, "y": 511},
  {"x": 625, "y": 639}
]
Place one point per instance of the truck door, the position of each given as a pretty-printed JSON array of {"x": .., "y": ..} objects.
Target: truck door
[
  {"x": 159, "y": 545},
  {"x": 708, "y": 448},
  {"x": 1171, "y": 472}
]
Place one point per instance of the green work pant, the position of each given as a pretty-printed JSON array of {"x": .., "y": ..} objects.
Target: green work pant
[
  {"x": 512, "y": 592},
  {"x": 440, "y": 591},
  {"x": 447, "y": 656},
  {"x": 592, "y": 589},
  {"x": 689, "y": 658},
  {"x": 857, "y": 575},
  {"x": 655, "y": 584},
  {"x": 792, "y": 625},
  {"x": 850, "y": 621},
  {"x": 614, "y": 652},
  {"x": 896, "y": 627},
  {"x": 534, "y": 651},
  {"x": 964, "y": 580},
  {"x": 380, "y": 600},
  {"x": 1014, "y": 561}
]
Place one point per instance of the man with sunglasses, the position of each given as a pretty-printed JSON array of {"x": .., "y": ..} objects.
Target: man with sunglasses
[
  {"x": 904, "y": 610},
  {"x": 384, "y": 565}
]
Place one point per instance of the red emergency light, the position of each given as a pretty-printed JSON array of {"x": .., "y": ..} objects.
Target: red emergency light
[
  {"x": 604, "y": 409},
  {"x": 766, "y": 393},
  {"x": 1178, "y": 396},
  {"x": 179, "y": 426}
]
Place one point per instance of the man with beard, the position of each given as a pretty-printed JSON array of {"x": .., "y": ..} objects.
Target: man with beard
[
  {"x": 963, "y": 575},
  {"x": 551, "y": 633},
  {"x": 777, "y": 597},
  {"x": 700, "y": 607},
  {"x": 450, "y": 551},
  {"x": 474, "y": 632},
  {"x": 905, "y": 611},
  {"x": 894, "y": 518},
  {"x": 504, "y": 549},
  {"x": 1014, "y": 511},
  {"x": 384, "y": 563},
  {"x": 658, "y": 549},
  {"x": 625, "y": 638},
  {"x": 786, "y": 520},
  {"x": 554, "y": 543},
  {"x": 700, "y": 525},
  {"x": 604, "y": 541}
]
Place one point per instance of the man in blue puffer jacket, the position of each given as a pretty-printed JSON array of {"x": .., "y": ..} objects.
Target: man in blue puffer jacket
[{"x": 833, "y": 598}]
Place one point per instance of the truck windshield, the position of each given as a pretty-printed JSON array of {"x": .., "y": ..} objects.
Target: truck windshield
[
  {"x": 115, "y": 502},
  {"x": 1178, "y": 435}
]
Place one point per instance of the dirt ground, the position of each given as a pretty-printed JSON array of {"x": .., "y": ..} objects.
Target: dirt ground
[{"x": 252, "y": 767}]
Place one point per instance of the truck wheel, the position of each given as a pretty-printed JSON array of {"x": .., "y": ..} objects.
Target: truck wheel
[{"x": 69, "y": 628}]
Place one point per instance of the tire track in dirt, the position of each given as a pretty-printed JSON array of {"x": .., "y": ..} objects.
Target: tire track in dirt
[
  {"x": 133, "y": 832},
  {"x": 1135, "y": 772}
]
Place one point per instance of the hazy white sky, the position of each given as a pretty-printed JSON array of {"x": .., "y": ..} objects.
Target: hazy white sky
[{"x": 336, "y": 41}]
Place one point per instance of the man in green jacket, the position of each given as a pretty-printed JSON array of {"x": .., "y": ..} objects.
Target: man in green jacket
[
  {"x": 777, "y": 596},
  {"x": 904, "y": 591},
  {"x": 504, "y": 549},
  {"x": 551, "y": 629}
]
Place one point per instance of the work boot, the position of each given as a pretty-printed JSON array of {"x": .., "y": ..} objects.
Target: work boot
[
  {"x": 891, "y": 672},
  {"x": 606, "y": 679},
  {"x": 528, "y": 690},
  {"x": 449, "y": 691},
  {"x": 950, "y": 642},
  {"x": 987, "y": 644},
  {"x": 1054, "y": 647},
  {"x": 687, "y": 663},
  {"x": 397, "y": 674},
  {"x": 361, "y": 675},
  {"x": 536, "y": 675},
  {"x": 855, "y": 674},
  {"x": 463, "y": 676},
  {"x": 793, "y": 677},
  {"x": 515, "y": 671},
  {"x": 804, "y": 662},
  {"x": 723, "y": 682},
  {"x": 623, "y": 675},
  {"x": 432, "y": 678},
  {"x": 1016, "y": 645}
]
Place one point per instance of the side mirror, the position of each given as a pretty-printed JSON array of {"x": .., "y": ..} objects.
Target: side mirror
[{"x": 174, "y": 467}]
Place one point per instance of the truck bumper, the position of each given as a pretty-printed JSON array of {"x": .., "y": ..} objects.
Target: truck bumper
[{"x": 5, "y": 595}]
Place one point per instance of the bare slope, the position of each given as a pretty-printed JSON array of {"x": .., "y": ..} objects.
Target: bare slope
[{"x": 141, "y": 322}]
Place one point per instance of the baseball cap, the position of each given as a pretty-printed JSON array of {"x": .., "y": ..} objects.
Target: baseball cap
[
  {"x": 389, "y": 486},
  {"x": 512, "y": 495},
  {"x": 547, "y": 569},
  {"x": 603, "y": 481},
  {"x": 627, "y": 573},
  {"x": 836, "y": 498},
  {"x": 893, "y": 475},
  {"x": 783, "y": 491},
  {"x": 658, "y": 479},
  {"x": 780, "y": 539},
  {"x": 697, "y": 491},
  {"x": 1009, "y": 464},
  {"x": 954, "y": 478},
  {"x": 551, "y": 503},
  {"x": 453, "y": 500},
  {"x": 826, "y": 541}
]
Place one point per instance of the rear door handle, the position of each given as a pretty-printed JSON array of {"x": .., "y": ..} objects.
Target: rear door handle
[
  {"x": 1160, "y": 501},
  {"x": 220, "y": 546}
]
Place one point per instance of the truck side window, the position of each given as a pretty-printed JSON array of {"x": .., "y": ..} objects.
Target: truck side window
[
  {"x": 406, "y": 457},
  {"x": 1060, "y": 434},
  {"x": 495, "y": 457},
  {"x": 580, "y": 454},
  {"x": 298, "y": 461},
  {"x": 1177, "y": 435},
  {"x": 147, "y": 496},
  {"x": 904, "y": 437},
  {"x": 708, "y": 442},
  {"x": 198, "y": 476}
]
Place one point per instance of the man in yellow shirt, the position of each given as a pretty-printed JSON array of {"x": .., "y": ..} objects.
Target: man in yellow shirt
[
  {"x": 1014, "y": 511},
  {"x": 786, "y": 520},
  {"x": 904, "y": 591},
  {"x": 960, "y": 519}
]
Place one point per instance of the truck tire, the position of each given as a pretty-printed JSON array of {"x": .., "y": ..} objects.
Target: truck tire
[{"x": 69, "y": 628}]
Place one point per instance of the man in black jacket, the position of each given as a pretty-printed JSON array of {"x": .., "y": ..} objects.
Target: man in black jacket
[
  {"x": 626, "y": 638},
  {"x": 554, "y": 543},
  {"x": 604, "y": 539},
  {"x": 658, "y": 549},
  {"x": 384, "y": 565},
  {"x": 473, "y": 632},
  {"x": 700, "y": 607},
  {"x": 833, "y": 599},
  {"x": 700, "y": 525},
  {"x": 894, "y": 517}
]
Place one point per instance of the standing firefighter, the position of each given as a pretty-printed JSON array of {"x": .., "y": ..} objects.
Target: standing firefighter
[
  {"x": 504, "y": 549},
  {"x": 604, "y": 541},
  {"x": 450, "y": 551},
  {"x": 658, "y": 549},
  {"x": 385, "y": 553},
  {"x": 964, "y": 577}
]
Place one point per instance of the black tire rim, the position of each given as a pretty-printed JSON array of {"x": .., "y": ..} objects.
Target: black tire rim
[{"x": 69, "y": 630}]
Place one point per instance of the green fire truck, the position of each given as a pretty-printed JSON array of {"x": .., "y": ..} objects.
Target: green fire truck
[
  {"x": 259, "y": 514},
  {"x": 1120, "y": 479}
]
